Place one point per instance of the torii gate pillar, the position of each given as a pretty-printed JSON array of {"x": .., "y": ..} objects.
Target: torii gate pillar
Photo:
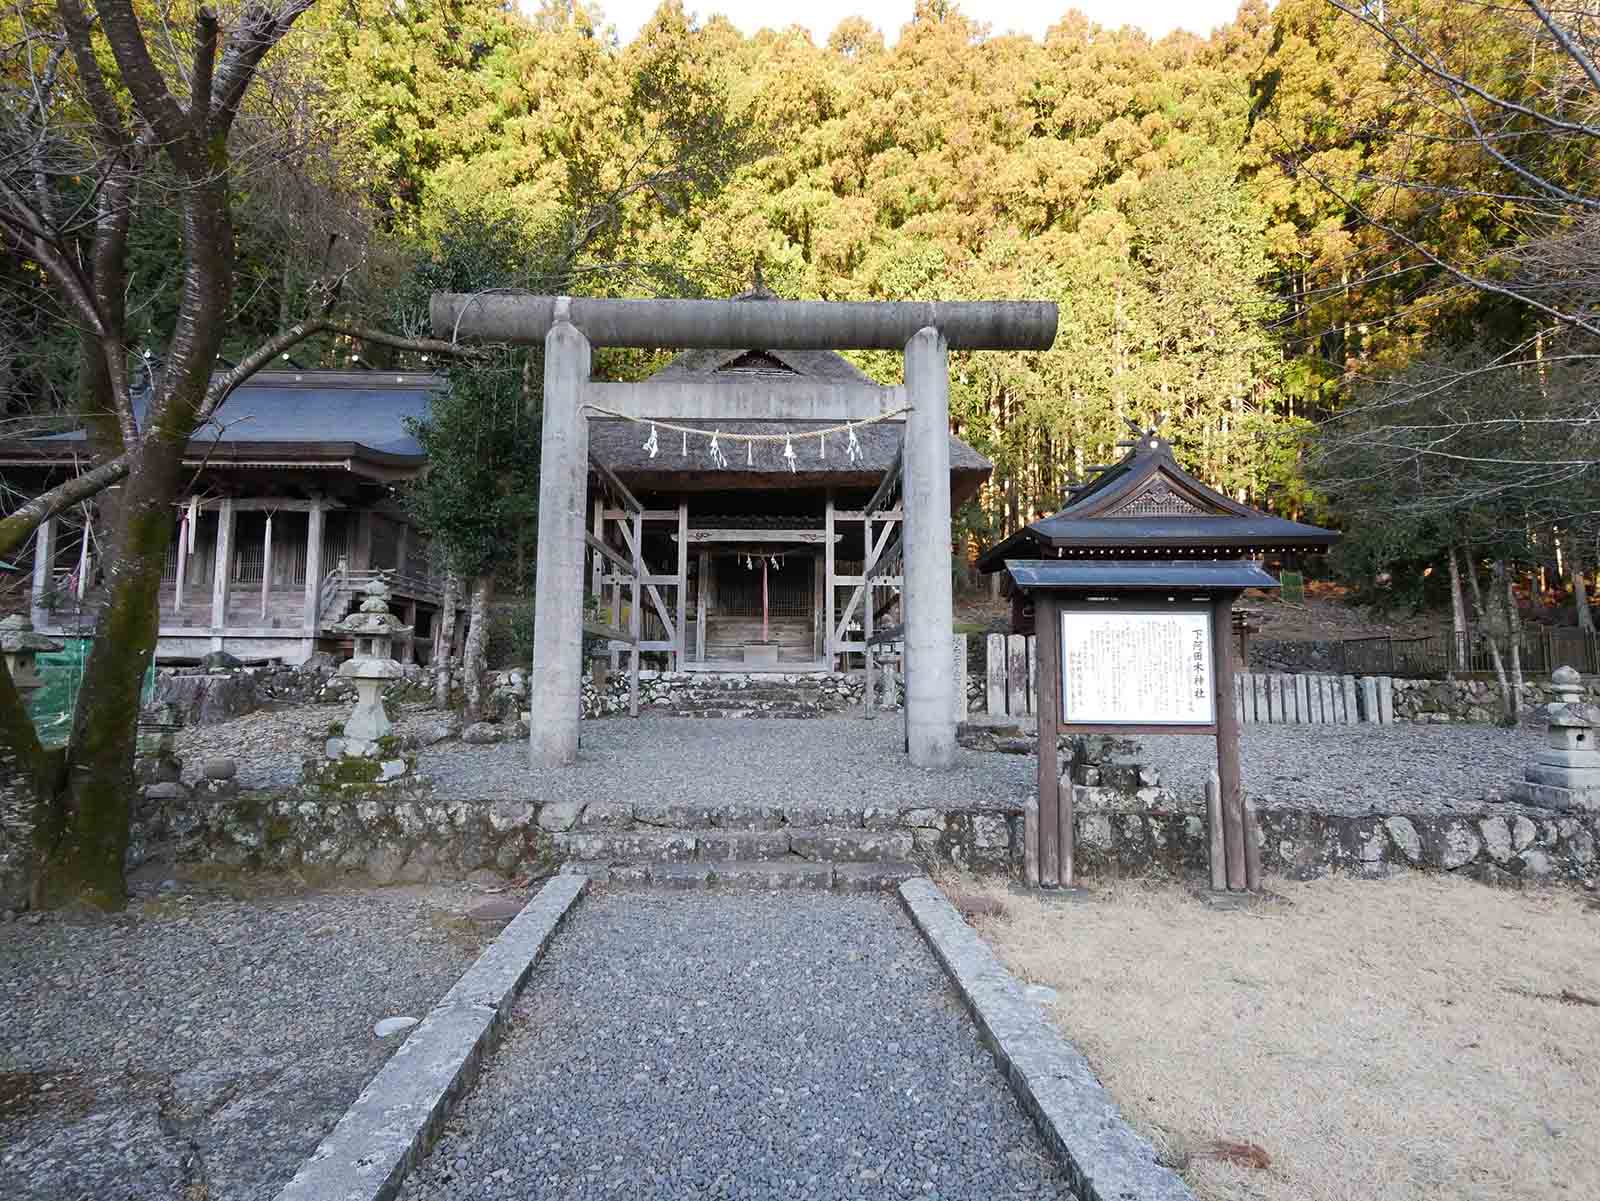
[
  {"x": 927, "y": 596},
  {"x": 556, "y": 682}
]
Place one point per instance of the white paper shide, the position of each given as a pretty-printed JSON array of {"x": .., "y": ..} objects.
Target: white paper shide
[{"x": 1136, "y": 668}]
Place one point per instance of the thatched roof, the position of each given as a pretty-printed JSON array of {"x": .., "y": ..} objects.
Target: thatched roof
[{"x": 818, "y": 462}]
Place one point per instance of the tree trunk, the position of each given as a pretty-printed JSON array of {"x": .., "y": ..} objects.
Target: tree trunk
[
  {"x": 446, "y": 642},
  {"x": 1508, "y": 596},
  {"x": 1578, "y": 563},
  {"x": 1481, "y": 616},
  {"x": 1458, "y": 615},
  {"x": 472, "y": 653},
  {"x": 86, "y": 834}
]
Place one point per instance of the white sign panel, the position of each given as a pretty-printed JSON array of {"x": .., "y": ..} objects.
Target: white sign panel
[{"x": 1136, "y": 668}]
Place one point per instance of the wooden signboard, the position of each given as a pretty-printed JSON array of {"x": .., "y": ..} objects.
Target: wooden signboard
[{"x": 1133, "y": 668}]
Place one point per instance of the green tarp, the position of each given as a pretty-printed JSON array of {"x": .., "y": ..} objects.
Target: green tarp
[{"x": 51, "y": 706}]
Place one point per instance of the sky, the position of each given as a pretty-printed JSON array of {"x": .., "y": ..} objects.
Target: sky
[{"x": 1157, "y": 17}]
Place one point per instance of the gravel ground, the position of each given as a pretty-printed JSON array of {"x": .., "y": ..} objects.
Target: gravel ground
[
  {"x": 1359, "y": 769},
  {"x": 198, "y": 1046},
  {"x": 1347, "y": 769},
  {"x": 738, "y": 1046}
]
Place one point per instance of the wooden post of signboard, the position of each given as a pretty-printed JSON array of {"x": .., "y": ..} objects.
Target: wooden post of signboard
[
  {"x": 1227, "y": 739},
  {"x": 1055, "y": 809}
]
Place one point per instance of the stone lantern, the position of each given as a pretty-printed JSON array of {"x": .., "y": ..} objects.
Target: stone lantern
[
  {"x": 1565, "y": 773},
  {"x": 19, "y": 644},
  {"x": 373, "y": 629}
]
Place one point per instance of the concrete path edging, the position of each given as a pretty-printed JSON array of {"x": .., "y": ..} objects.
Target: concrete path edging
[
  {"x": 1104, "y": 1158},
  {"x": 395, "y": 1120}
]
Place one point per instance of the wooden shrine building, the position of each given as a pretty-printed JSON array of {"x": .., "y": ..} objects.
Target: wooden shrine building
[
  {"x": 777, "y": 554},
  {"x": 291, "y": 505}
]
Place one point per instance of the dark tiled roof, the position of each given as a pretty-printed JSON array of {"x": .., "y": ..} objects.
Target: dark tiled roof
[
  {"x": 1145, "y": 504},
  {"x": 303, "y": 408},
  {"x": 729, "y": 365},
  {"x": 1079, "y": 574}
]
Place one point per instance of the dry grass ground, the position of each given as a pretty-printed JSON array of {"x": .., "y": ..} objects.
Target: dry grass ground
[{"x": 1411, "y": 1038}]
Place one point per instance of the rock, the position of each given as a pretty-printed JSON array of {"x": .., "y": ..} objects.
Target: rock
[
  {"x": 322, "y": 661},
  {"x": 220, "y": 767},
  {"x": 480, "y": 733},
  {"x": 496, "y": 912},
  {"x": 430, "y": 733},
  {"x": 395, "y": 1025},
  {"x": 391, "y": 769},
  {"x": 166, "y": 790},
  {"x": 202, "y": 700},
  {"x": 1536, "y": 864},
  {"x": 1496, "y": 838},
  {"x": 384, "y": 865},
  {"x": 1149, "y": 777},
  {"x": 220, "y": 661},
  {"x": 1458, "y": 845},
  {"x": 1041, "y": 994},
  {"x": 1523, "y": 832},
  {"x": 333, "y": 748},
  {"x": 1405, "y": 837},
  {"x": 559, "y": 816}
]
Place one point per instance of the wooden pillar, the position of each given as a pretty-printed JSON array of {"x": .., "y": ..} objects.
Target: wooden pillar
[
  {"x": 681, "y": 651},
  {"x": 185, "y": 537},
  {"x": 1227, "y": 739},
  {"x": 828, "y": 557},
  {"x": 266, "y": 564},
  {"x": 222, "y": 571},
  {"x": 868, "y": 567},
  {"x": 701, "y": 599},
  {"x": 312, "y": 615},
  {"x": 635, "y": 622},
  {"x": 1055, "y": 807},
  {"x": 44, "y": 558},
  {"x": 361, "y": 559},
  {"x": 408, "y": 649}
]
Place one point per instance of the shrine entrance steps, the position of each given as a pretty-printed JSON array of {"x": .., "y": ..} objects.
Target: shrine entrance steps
[
  {"x": 762, "y": 695},
  {"x": 755, "y": 847}
]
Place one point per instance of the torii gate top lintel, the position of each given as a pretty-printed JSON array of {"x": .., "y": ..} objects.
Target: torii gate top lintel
[{"x": 525, "y": 319}]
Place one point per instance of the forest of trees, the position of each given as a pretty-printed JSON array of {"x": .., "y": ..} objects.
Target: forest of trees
[
  {"x": 1250, "y": 234},
  {"x": 1345, "y": 251}
]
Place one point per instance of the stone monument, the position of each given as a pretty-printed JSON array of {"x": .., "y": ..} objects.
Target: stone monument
[{"x": 1565, "y": 773}]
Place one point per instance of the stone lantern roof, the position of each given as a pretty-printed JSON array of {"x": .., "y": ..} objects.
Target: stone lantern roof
[
  {"x": 373, "y": 619},
  {"x": 17, "y": 637}
]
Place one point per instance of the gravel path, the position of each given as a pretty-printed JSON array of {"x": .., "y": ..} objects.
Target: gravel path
[
  {"x": 834, "y": 759},
  {"x": 198, "y": 1046},
  {"x": 739, "y": 1046}
]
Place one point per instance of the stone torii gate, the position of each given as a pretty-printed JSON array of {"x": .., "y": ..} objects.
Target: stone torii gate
[{"x": 570, "y": 328}]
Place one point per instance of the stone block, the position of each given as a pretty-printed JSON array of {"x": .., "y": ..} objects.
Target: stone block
[
  {"x": 850, "y": 846},
  {"x": 1496, "y": 838},
  {"x": 812, "y": 815},
  {"x": 764, "y": 846},
  {"x": 626, "y": 846},
  {"x": 559, "y": 816},
  {"x": 680, "y": 875},
  {"x": 873, "y": 877},
  {"x": 784, "y": 876},
  {"x": 220, "y": 767},
  {"x": 605, "y": 816}
]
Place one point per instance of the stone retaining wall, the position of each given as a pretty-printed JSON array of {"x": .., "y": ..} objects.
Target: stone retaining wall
[
  {"x": 1274, "y": 654},
  {"x": 1469, "y": 700},
  {"x": 414, "y": 838}
]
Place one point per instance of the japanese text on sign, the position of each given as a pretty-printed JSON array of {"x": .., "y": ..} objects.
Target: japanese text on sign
[{"x": 1122, "y": 668}]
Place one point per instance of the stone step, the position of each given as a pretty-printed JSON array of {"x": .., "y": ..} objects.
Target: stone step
[
  {"x": 781, "y": 714},
  {"x": 819, "y": 845},
  {"x": 783, "y": 875}
]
